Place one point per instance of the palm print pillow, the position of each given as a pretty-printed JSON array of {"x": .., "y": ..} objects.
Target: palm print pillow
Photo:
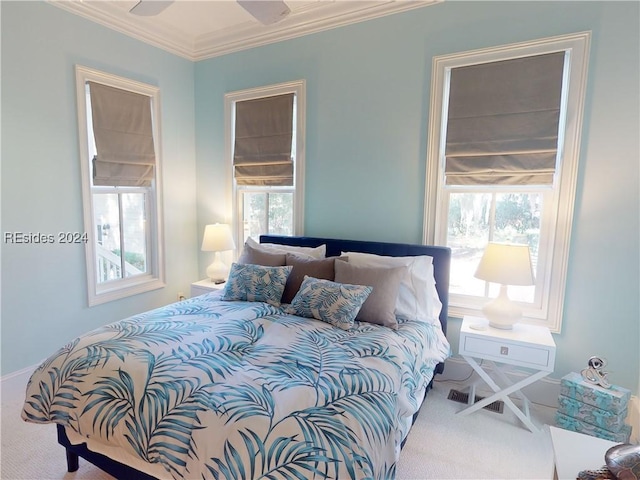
[
  {"x": 331, "y": 302},
  {"x": 256, "y": 283}
]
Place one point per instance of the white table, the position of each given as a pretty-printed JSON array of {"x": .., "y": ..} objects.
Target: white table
[
  {"x": 528, "y": 346},
  {"x": 205, "y": 286},
  {"x": 575, "y": 452}
]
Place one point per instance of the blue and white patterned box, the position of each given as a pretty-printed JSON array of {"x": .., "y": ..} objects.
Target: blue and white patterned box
[
  {"x": 575, "y": 425},
  {"x": 610, "y": 421},
  {"x": 614, "y": 399}
]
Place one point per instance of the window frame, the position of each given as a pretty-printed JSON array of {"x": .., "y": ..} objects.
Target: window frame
[
  {"x": 298, "y": 88},
  {"x": 154, "y": 278},
  {"x": 557, "y": 224}
]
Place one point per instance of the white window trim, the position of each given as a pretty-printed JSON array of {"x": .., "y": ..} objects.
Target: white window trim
[
  {"x": 576, "y": 47},
  {"x": 297, "y": 87},
  {"x": 113, "y": 290}
]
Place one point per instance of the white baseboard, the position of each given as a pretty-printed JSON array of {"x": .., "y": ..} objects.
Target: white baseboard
[
  {"x": 543, "y": 392},
  {"x": 24, "y": 371}
]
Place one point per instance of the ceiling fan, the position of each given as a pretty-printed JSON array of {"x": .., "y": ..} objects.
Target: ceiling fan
[{"x": 266, "y": 12}]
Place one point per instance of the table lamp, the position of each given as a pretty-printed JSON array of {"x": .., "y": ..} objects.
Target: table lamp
[
  {"x": 506, "y": 264},
  {"x": 217, "y": 238}
]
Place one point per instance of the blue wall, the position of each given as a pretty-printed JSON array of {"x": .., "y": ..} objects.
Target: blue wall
[
  {"x": 44, "y": 297},
  {"x": 367, "y": 108}
]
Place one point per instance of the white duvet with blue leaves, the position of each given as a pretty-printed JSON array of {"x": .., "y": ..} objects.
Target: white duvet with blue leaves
[{"x": 239, "y": 390}]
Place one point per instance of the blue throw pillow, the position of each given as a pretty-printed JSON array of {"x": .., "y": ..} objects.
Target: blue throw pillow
[
  {"x": 256, "y": 283},
  {"x": 331, "y": 302}
]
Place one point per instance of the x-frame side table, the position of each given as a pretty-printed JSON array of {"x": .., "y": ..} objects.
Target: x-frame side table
[{"x": 525, "y": 347}]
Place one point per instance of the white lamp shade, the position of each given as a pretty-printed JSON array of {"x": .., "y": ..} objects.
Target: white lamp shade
[
  {"x": 217, "y": 238},
  {"x": 507, "y": 264}
]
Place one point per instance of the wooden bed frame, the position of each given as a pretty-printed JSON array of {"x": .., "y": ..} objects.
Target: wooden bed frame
[{"x": 441, "y": 266}]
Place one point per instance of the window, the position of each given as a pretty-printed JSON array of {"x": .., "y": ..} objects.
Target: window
[
  {"x": 265, "y": 148},
  {"x": 119, "y": 129},
  {"x": 503, "y": 154}
]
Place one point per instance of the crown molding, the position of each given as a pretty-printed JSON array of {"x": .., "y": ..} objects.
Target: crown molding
[
  {"x": 313, "y": 18},
  {"x": 310, "y": 20}
]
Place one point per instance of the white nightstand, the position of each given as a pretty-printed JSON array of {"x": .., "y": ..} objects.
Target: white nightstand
[
  {"x": 528, "y": 346},
  {"x": 205, "y": 286}
]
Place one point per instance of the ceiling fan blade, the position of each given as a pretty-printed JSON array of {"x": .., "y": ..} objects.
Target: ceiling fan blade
[
  {"x": 150, "y": 8},
  {"x": 266, "y": 11}
]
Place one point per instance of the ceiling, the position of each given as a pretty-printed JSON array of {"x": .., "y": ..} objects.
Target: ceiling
[{"x": 200, "y": 29}]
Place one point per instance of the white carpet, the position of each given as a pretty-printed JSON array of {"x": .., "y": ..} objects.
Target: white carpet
[
  {"x": 483, "y": 445},
  {"x": 441, "y": 445}
]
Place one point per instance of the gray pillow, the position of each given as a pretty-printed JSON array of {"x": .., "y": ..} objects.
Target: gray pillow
[
  {"x": 302, "y": 266},
  {"x": 254, "y": 256},
  {"x": 379, "y": 308}
]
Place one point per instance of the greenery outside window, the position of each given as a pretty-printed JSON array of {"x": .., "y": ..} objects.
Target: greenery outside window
[
  {"x": 466, "y": 214},
  {"x": 124, "y": 248}
]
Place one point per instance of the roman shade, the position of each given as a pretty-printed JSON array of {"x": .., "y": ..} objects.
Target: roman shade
[
  {"x": 263, "y": 134},
  {"x": 123, "y": 133},
  {"x": 503, "y": 121}
]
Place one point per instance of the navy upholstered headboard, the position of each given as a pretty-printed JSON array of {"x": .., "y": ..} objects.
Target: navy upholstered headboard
[{"x": 441, "y": 257}]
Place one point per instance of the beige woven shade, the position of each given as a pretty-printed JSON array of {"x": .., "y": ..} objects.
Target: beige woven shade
[
  {"x": 263, "y": 136},
  {"x": 123, "y": 133},
  {"x": 503, "y": 122}
]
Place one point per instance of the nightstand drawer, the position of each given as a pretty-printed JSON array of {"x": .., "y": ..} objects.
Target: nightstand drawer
[{"x": 506, "y": 352}]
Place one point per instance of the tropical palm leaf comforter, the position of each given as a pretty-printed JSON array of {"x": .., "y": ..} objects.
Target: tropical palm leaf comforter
[{"x": 241, "y": 390}]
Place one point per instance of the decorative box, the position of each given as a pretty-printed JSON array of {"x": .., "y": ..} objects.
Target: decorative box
[
  {"x": 575, "y": 425},
  {"x": 610, "y": 421},
  {"x": 592, "y": 409},
  {"x": 614, "y": 399}
]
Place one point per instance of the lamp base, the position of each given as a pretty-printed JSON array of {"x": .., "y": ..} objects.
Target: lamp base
[
  {"x": 217, "y": 271},
  {"x": 501, "y": 312}
]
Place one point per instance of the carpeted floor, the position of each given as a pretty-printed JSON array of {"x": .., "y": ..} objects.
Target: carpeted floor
[
  {"x": 483, "y": 445},
  {"x": 441, "y": 445}
]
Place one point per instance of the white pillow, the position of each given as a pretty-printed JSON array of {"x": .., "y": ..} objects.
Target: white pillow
[
  {"x": 305, "y": 252},
  {"x": 417, "y": 296}
]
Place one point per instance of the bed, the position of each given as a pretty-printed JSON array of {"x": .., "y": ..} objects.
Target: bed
[{"x": 232, "y": 384}]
